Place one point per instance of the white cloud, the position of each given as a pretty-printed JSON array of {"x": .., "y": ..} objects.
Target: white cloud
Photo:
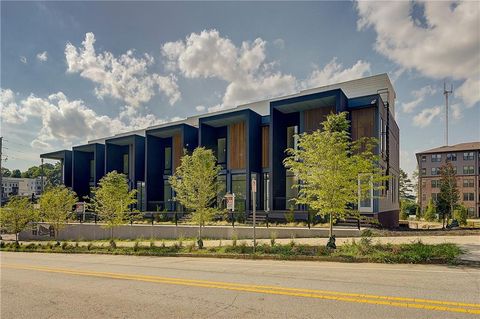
[
  {"x": 125, "y": 77},
  {"x": 457, "y": 112},
  {"x": 334, "y": 72},
  {"x": 209, "y": 55},
  {"x": 200, "y": 108},
  {"x": 437, "y": 48},
  {"x": 420, "y": 96},
  {"x": 9, "y": 109},
  {"x": 23, "y": 59},
  {"x": 69, "y": 121},
  {"x": 426, "y": 116},
  {"x": 42, "y": 56}
]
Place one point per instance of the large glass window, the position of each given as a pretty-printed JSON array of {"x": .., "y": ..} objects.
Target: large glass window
[
  {"x": 468, "y": 156},
  {"x": 168, "y": 160},
  {"x": 452, "y": 157},
  {"x": 436, "y": 157},
  {"x": 266, "y": 192},
  {"x": 221, "y": 189},
  {"x": 435, "y": 171},
  {"x": 468, "y": 170},
  {"x": 167, "y": 195},
  {"x": 365, "y": 194},
  {"x": 468, "y": 182},
  {"x": 292, "y": 137},
  {"x": 468, "y": 197},
  {"x": 291, "y": 191},
  {"x": 435, "y": 183},
  {"x": 239, "y": 188},
  {"x": 92, "y": 171},
  {"x": 222, "y": 150},
  {"x": 125, "y": 164}
]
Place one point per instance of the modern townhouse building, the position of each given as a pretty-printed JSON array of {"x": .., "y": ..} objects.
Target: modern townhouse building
[
  {"x": 249, "y": 142},
  {"x": 465, "y": 160}
]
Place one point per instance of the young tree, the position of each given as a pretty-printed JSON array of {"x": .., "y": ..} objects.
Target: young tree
[
  {"x": 56, "y": 205},
  {"x": 16, "y": 173},
  {"x": 449, "y": 195},
  {"x": 195, "y": 185},
  {"x": 460, "y": 214},
  {"x": 112, "y": 200},
  {"x": 17, "y": 214},
  {"x": 431, "y": 211},
  {"x": 334, "y": 172},
  {"x": 406, "y": 189}
]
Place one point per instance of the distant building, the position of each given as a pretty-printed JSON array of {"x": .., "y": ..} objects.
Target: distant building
[
  {"x": 465, "y": 160},
  {"x": 12, "y": 186}
]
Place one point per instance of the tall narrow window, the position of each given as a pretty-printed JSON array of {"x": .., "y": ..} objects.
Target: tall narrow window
[
  {"x": 292, "y": 137},
  {"x": 92, "y": 171},
  {"x": 125, "y": 165},
  {"x": 239, "y": 188},
  {"x": 168, "y": 160},
  {"x": 365, "y": 193},
  {"x": 222, "y": 150},
  {"x": 266, "y": 192}
]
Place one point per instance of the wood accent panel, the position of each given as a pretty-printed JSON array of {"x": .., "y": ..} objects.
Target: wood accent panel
[
  {"x": 363, "y": 123},
  {"x": 177, "y": 150},
  {"x": 265, "y": 146},
  {"x": 312, "y": 119},
  {"x": 237, "y": 146}
]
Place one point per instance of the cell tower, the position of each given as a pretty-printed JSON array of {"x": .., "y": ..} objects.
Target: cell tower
[{"x": 446, "y": 93}]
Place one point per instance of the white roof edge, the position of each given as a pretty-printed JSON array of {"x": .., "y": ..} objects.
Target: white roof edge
[{"x": 193, "y": 120}]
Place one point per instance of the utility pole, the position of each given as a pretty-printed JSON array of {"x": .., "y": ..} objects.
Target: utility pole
[
  {"x": 1, "y": 173},
  {"x": 446, "y": 93}
]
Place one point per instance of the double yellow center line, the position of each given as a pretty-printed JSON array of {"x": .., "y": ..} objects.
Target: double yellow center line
[{"x": 403, "y": 302}]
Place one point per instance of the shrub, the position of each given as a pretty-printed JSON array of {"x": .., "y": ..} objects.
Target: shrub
[
  {"x": 273, "y": 237},
  {"x": 64, "y": 245},
  {"x": 135, "y": 246},
  {"x": 113, "y": 245},
  {"x": 152, "y": 244},
  {"x": 234, "y": 240},
  {"x": 2, "y": 244},
  {"x": 290, "y": 216},
  {"x": 89, "y": 246},
  {"x": 191, "y": 247},
  {"x": 460, "y": 214},
  {"x": 431, "y": 211}
]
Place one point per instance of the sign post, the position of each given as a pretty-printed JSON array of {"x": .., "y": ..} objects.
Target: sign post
[
  {"x": 80, "y": 209},
  {"x": 230, "y": 199},
  {"x": 254, "y": 204}
]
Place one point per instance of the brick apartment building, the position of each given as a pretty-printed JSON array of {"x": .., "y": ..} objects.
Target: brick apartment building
[{"x": 465, "y": 160}]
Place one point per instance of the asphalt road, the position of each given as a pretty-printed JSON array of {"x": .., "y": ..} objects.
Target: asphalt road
[{"x": 35, "y": 285}]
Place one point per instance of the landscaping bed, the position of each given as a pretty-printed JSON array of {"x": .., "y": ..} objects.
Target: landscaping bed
[{"x": 361, "y": 251}]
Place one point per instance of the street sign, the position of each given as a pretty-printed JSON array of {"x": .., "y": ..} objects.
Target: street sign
[
  {"x": 230, "y": 200},
  {"x": 80, "y": 207}
]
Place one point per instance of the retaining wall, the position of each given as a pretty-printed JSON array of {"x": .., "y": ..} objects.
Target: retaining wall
[{"x": 97, "y": 232}]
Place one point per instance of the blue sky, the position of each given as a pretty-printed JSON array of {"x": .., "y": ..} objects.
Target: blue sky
[{"x": 75, "y": 71}]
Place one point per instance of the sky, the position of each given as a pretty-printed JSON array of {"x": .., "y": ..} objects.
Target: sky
[{"x": 76, "y": 71}]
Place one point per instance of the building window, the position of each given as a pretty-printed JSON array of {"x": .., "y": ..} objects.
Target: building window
[
  {"x": 222, "y": 150},
  {"x": 435, "y": 197},
  {"x": 470, "y": 211},
  {"x": 468, "y": 197},
  {"x": 468, "y": 156},
  {"x": 239, "y": 188},
  {"x": 435, "y": 171},
  {"x": 221, "y": 189},
  {"x": 167, "y": 196},
  {"x": 424, "y": 171},
  {"x": 365, "y": 194},
  {"x": 424, "y": 158},
  {"x": 266, "y": 192},
  {"x": 451, "y": 157},
  {"x": 424, "y": 197},
  {"x": 468, "y": 170},
  {"x": 424, "y": 184},
  {"x": 436, "y": 157},
  {"x": 435, "y": 183},
  {"x": 468, "y": 183},
  {"x": 125, "y": 164},
  {"x": 168, "y": 160},
  {"x": 92, "y": 171},
  {"x": 292, "y": 137}
]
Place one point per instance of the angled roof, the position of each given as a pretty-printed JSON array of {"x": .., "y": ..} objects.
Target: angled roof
[{"x": 469, "y": 146}]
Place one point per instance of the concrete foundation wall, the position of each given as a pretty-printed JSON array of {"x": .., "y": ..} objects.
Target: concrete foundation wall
[{"x": 97, "y": 232}]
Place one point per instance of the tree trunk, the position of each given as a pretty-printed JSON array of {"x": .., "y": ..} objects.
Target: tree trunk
[
  {"x": 331, "y": 226},
  {"x": 111, "y": 233},
  {"x": 16, "y": 238}
]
